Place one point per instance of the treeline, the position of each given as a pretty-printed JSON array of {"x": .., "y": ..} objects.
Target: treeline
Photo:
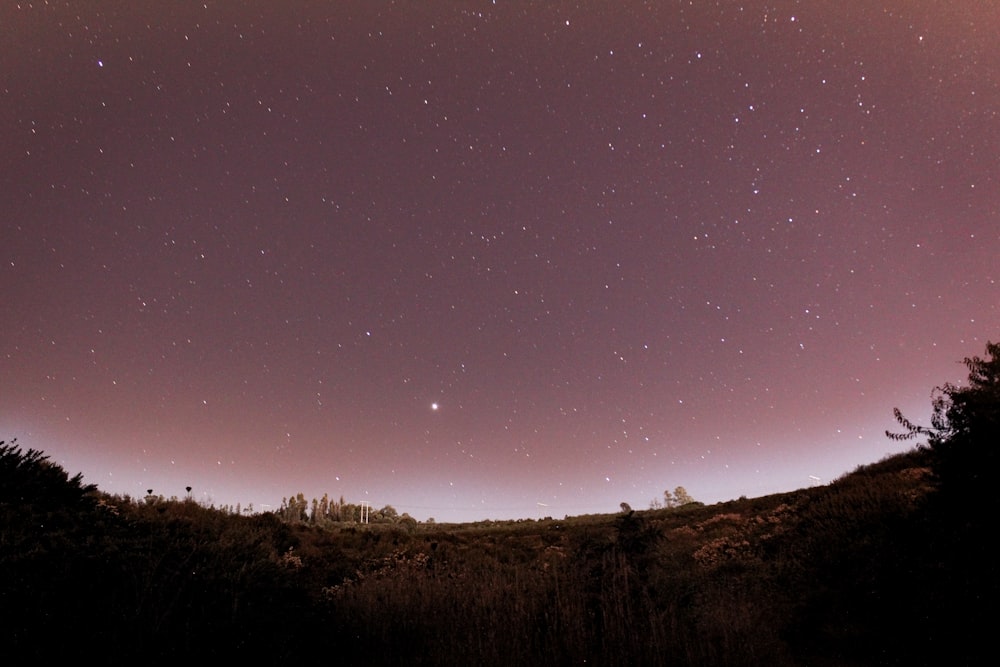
[
  {"x": 295, "y": 509},
  {"x": 326, "y": 512}
]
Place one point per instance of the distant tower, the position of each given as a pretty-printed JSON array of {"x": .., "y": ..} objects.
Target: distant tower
[{"x": 366, "y": 509}]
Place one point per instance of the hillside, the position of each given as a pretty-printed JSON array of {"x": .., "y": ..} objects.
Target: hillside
[{"x": 862, "y": 571}]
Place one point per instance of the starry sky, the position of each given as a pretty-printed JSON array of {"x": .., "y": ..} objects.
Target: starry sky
[{"x": 490, "y": 259}]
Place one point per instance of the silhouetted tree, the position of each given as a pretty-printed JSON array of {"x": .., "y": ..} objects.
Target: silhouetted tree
[
  {"x": 964, "y": 433},
  {"x": 50, "y": 530},
  {"x": 964, "y": 440},
  {"x": 28, "y": 478}
]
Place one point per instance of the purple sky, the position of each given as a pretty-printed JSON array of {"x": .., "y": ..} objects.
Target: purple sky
[{"x": 489, "y": 260}]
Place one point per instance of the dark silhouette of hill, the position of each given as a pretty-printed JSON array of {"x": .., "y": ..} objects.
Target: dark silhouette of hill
[{"x": 857, "y": 572}]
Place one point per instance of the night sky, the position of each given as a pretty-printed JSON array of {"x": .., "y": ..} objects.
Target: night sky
[{"x": 490, "y": 260}]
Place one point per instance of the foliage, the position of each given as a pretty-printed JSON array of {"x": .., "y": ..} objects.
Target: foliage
[
  {"x": 130, "y": 580},
  {"x": 678, "y": 498},
  {"x": 965, "y": 422},
  {"x": 964, "y": 441},
  {"x": 28, "y": 478},
  {"x": 681, "y": 497},
  {"x": 45, "y": 516}
]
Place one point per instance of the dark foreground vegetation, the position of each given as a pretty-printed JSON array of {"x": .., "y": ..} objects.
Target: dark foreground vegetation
[{"x": 888, "y": 565}]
